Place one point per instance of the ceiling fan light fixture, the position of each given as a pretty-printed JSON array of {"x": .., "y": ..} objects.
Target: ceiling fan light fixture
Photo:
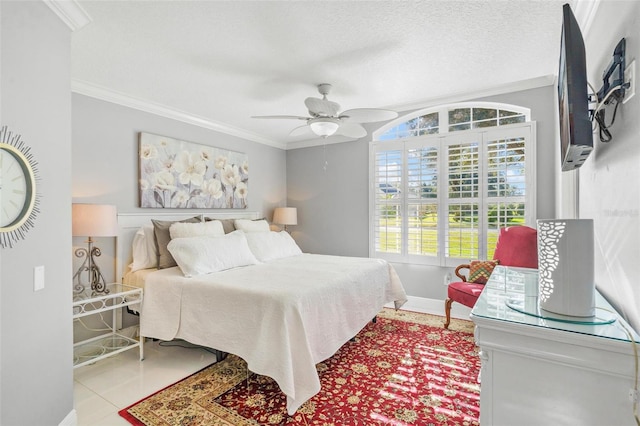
[{"x": 324, "y": 126}]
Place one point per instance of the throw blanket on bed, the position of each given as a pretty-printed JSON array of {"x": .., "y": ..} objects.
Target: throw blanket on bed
[{"x": 281, "y": 317}]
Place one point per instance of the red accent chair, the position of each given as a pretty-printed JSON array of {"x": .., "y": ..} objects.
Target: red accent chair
[{"x": 516, "y": 246}]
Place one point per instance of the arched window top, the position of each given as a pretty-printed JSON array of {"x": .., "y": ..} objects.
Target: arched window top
[{"x": 452, "y": 118}]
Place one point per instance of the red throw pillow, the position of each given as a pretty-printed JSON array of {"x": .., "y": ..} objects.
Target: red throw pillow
[
  {"x": 480, "y": 270},
  {"x": 517, "y": 246}
]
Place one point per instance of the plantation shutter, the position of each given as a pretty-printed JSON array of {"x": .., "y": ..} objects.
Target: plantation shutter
[
  {"x": 506, "y": 190},
  {"x": 422, "y": 197},
  {"x": 464, "y": 179},
  {"x": 387, "y": 200},
  {"x": 442, "y": 199}
]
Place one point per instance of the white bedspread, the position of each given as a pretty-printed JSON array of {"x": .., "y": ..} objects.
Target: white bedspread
[{"x": 281, "y": 317}]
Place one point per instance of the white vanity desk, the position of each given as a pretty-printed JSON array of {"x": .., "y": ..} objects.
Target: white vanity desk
[{"x": 537, "y": 371}]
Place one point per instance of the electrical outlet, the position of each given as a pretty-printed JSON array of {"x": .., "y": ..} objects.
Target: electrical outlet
[
  {"x": 630, "y": 77},
  {"x": 447, "y": 278},
  {"x": 633, "y": 395}
]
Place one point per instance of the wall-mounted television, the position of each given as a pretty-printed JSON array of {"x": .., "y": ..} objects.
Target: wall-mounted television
[{"x": 576, "y": 135}]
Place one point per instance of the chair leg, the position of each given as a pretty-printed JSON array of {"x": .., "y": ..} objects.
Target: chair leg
[{"x": 447, "y": 311}]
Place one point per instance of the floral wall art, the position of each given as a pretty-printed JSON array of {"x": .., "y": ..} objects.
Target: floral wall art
[{"x": 179, "y": 174}]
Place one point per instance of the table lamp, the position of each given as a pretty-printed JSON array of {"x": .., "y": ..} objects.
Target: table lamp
[
  {"x": 285, "y": 216},
  {"x": 566, "y": 267},
  {"x": 92, "y": 220}
]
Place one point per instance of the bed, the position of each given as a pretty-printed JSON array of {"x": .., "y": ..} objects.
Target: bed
[{"x": 282, "y": 314}]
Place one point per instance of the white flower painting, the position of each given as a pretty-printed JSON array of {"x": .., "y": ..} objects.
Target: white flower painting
[{"x": 185, "y": 175}]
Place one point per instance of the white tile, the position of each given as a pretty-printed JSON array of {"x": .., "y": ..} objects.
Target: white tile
[
  {"x": 93, "y": 369},
  {"x": 90, "y": 407},
  {"x": 80, "y": 393},
  {"x": 104, "y": 388},
  {"x": 103, "y": 380},
  {"x": 154, "y": 374},
  {"x": 111, "y": 420}
]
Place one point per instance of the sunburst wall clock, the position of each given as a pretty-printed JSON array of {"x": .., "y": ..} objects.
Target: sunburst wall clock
[{"x": 19, "y": 199}]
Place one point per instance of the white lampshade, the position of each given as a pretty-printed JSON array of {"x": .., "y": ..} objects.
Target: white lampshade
[
  {"x": 323, "y": 126},
  {"x": 94, "y": 220},
  {"x": 285, "y": 216}
]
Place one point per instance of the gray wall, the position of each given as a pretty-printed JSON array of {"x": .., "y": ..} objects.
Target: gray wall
[
  {"x": 610, "y": 179},
  {"x": 105, "y": 170},
  {"x": 333, "y": 209},
  {"x": 105, "y": 161},
  {"x": 36, "y": 373},
  {"x": 332, "y": 201},
  {"x": 105, "y": 155}
]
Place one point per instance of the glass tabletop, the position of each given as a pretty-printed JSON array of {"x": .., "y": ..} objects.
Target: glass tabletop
[
  {"x": 511, "y": 294},
  {"x": 114, "y": 290},
  {"x": 88, "y": 302}
]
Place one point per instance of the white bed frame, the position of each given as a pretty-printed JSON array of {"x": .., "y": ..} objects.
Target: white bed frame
[{"x": 130, "y": 223}]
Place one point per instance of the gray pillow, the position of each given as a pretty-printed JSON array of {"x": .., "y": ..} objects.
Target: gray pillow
[
  {"x": 162, "y": 238},
  {"x": 227, "y": 224}
]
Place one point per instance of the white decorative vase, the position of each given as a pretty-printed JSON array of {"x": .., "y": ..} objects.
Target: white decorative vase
[{"x": 565, "y": 266}]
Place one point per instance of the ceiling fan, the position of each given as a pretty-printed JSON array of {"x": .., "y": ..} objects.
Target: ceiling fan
[{"x": 325, "y": 120}]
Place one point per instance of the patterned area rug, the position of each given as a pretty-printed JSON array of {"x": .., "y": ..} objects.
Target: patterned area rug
[{"x": 404, "y": 369}]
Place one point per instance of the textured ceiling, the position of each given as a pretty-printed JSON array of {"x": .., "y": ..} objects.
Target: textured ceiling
[{"x": 224, "y": 61}]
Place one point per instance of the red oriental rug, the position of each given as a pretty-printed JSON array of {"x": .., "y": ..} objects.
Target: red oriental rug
[{"x": 404, "y": 369}]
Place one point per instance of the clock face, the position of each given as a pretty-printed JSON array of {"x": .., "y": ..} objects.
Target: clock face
[{"x": 17, "y": 193}]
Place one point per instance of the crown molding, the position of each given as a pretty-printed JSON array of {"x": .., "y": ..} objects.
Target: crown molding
[
  {"x": 532, "y": 83},
  {"x": 105, "y": 94},
  {"x": 70, "y": 12}
]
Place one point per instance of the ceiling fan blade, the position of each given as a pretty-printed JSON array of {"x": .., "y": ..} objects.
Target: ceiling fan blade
[
  {"x": 322, "y": 107},
  {"x": 368, "y": 115},
  {"x": 291, "y": 117},
  {"x": 301, "y": 131},
  {"x": 351, "y": 130}
]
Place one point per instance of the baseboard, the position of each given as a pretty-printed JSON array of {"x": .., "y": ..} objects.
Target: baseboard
[
  {"x": 70, "y": 420},
  {"x": 434, "y": 307}
]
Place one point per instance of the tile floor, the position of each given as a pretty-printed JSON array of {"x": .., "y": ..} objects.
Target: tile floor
[{"x": 104, "y": 388}]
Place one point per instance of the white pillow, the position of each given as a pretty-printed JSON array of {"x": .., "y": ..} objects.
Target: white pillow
[
  {"x": 272, "y": 245},
  {"x": 212, "y": 228},
  {"x": 248, "y": 225},
  {"x": 204, "y": 255},
  {"x": 145, "y": 255}
]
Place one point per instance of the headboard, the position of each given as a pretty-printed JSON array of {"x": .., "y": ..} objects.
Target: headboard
[{"x": 129, "y": 223}]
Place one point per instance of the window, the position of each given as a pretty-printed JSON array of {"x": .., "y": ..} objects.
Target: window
[
  {"x": 453, "y": 118},
  {"x": 427, "y": 124},
  {"x": 441, "y": 198}
]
